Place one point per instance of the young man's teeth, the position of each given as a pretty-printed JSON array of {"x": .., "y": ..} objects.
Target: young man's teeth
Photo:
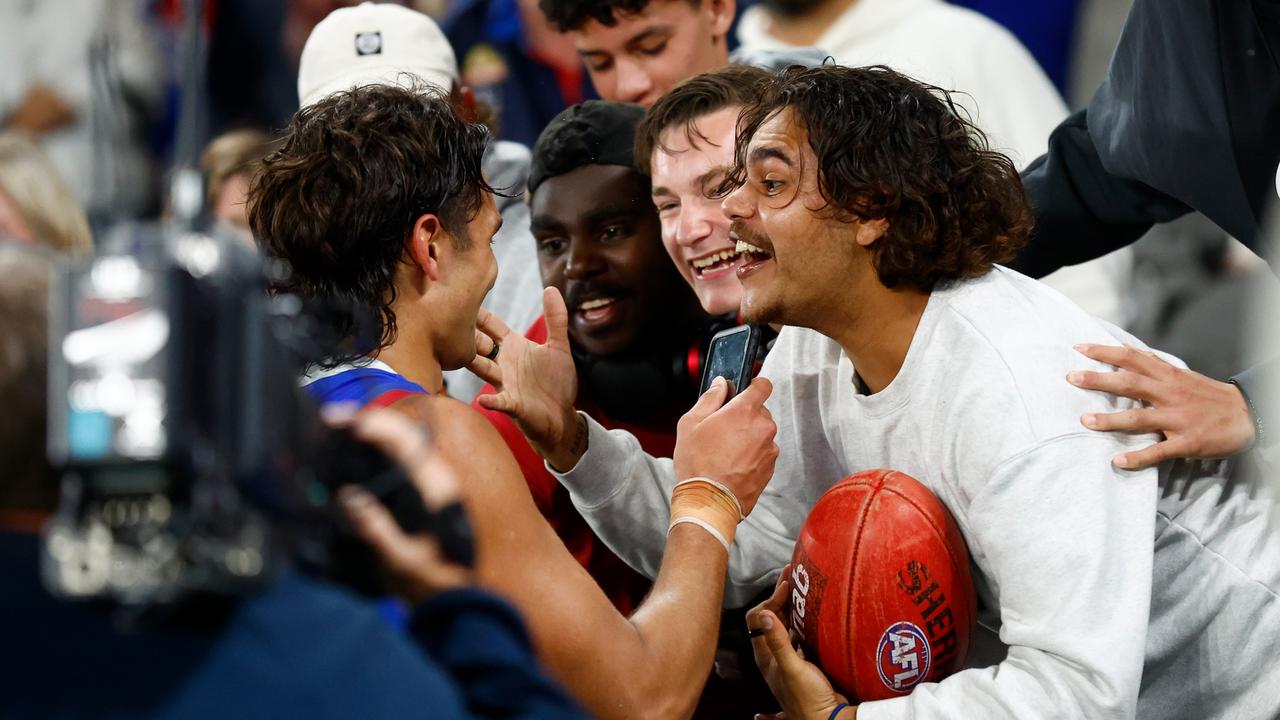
[
  {"x": 706, "y": 262},
  {"x": 747, "y": 248},
  {"x": 593, "y": 304}
]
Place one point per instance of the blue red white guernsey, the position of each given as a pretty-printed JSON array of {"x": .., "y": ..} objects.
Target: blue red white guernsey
[{"x": 371, "y": 383}]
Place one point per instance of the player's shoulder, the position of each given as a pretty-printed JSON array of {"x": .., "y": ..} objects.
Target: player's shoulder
[
  {"x": 450, "y": 421},
  {"x": 1012, "y": 340}
]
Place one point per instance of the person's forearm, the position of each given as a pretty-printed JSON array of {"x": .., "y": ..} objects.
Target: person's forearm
[
  {"x": 565, "y": 454},
  {"x": 679, "y": 622},
  {"x": 624, "y": 495}
]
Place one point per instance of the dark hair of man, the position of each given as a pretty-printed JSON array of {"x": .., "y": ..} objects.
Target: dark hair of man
[
  {"x": 339, "y": 198},
  {"x": 24, "y": 326},
  {"x": 570, "y": 15},
  {"x": 891, "y": 148},
  {"x": 697, "y": 97}
]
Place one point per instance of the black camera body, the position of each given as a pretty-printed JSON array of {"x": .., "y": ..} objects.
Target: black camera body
[{"x": 191, "y": 461}]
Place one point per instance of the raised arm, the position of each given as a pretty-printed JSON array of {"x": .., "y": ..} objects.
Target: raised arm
[
  {"x": 621, "y": 491},
  {"x": 655, "y": 663}
]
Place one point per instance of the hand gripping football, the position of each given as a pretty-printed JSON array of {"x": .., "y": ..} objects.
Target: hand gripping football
[{"x": 881, "y": 595}]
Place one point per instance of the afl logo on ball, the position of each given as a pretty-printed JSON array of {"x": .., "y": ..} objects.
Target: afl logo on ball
[{"x": 903, "y": 657}]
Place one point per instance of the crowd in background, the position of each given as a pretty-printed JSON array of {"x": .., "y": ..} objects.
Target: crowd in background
[{"x": 105, "y": 105}]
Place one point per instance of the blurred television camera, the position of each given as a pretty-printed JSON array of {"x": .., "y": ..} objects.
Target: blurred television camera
[{"x": 191, "y": 463}]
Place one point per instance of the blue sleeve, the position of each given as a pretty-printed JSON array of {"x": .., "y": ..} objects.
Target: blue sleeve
[{"x": 483, "y": 644}]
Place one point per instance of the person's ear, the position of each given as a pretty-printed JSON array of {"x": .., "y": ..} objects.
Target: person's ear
[
  {"x": 425, "y": 243},
  {"x": 869, "y": 231},
  {"x": 722, "y": 12}
]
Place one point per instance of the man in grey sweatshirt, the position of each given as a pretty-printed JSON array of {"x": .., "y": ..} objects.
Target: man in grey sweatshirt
[{"x": 875, "y": 220}]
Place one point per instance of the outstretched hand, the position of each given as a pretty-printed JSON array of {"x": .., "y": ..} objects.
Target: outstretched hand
[
  {"x": 732, "y": 443},
  {"x": 536, "y": 384},
  {"x": 800, "y": 687},
  {"x": 1198, "y": 416}
]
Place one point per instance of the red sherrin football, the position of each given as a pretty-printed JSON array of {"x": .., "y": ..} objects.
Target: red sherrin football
[{"x": 881, "y": 594}]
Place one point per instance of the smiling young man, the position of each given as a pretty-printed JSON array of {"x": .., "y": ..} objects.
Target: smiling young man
[
  {"x": 685, "y": 145},
  {"x": 636, "y": 50},
  {"x": 631, "y": 318}
]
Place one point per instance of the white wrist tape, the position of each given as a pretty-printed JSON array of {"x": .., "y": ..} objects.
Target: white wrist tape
[{"x": 702, "y": 524}]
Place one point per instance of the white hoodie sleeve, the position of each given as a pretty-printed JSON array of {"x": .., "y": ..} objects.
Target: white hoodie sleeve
[{"x": 624, "y": 494}]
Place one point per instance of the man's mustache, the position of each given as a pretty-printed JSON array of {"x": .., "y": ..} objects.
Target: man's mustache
[{"x": 741, "y": 231}]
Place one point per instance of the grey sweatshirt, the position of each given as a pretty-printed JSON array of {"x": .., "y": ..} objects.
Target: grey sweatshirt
[{"x": 1098, "y": 621}]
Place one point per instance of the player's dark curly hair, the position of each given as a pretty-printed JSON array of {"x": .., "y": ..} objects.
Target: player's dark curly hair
[
  {"x": 891, "y": 148},
  {"x": 338, "y": 199},
  {"x": 697, "y": 97},
  {"x": 569, "y": 15}
]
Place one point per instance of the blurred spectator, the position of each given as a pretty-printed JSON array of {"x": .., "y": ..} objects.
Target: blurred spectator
[
  {"x": 410, "y": 49},
  {"x": 83, "y": 77},
  {"x": 250, "y": 74},
  {"x": 35, "y": 204},
  {"x": 228, "y": 164},
  {"x": 998, "y": 83},
  {"x": 517, "y": 63}
]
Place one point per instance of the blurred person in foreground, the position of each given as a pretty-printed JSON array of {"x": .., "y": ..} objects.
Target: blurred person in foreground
[
  {"x": 386, "y": 44},
  {"x": 1120, "y": 166},
  {"x": 376, "y": 196},
  {"x": 298, "y": 643},
  {"x": 906, "y": 345},
  {"x": 36, "y": 206}
]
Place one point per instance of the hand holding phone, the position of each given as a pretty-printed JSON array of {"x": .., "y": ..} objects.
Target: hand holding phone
[{"x": 732, "y": 356}]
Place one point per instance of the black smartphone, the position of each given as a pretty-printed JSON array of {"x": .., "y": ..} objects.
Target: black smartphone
[{"x": 732, "y": 356}]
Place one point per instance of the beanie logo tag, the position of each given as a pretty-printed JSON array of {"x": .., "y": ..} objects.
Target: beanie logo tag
[{"x": 369, "y": 43}]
